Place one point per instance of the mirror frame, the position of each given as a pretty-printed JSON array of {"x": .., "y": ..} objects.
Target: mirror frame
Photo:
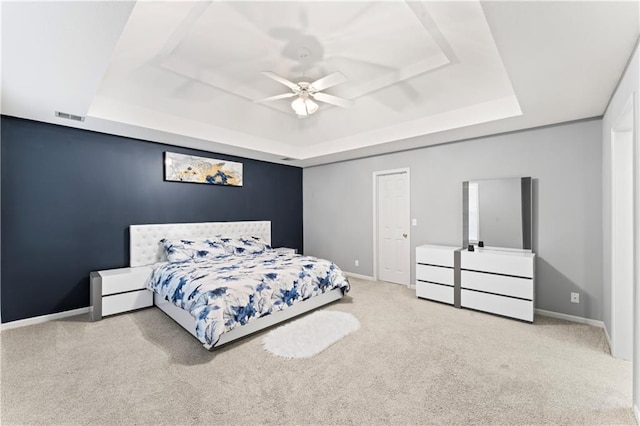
[{"x": 526, "y": 198}]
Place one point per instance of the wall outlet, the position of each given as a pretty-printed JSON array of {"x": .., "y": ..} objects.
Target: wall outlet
[
  {"x": 575, "y": 297},
  {"x": 357, "y": 262},
  {"x": 414, "y": 222}
]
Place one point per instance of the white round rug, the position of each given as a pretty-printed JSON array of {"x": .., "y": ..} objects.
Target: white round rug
[{"x": 310, "y": 335}]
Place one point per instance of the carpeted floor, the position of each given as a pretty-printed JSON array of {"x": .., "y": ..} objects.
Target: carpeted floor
[{"x": 411, "y": 362}]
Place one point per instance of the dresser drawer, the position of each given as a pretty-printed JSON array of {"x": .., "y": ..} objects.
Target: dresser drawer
[
  {"x": 499, "y": 284},
  {"x": 435, "y": 255},
  {"x": 501, "y": 305},
  {"x": 124, "y": 302},
  {"x": 440, "y": 293},
  {"x": 435, "y": 274},
  {"x": 500, "y": 262}
]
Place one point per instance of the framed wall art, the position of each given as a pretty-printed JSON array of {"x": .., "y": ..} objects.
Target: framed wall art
[{"x": 189, "y": 168}]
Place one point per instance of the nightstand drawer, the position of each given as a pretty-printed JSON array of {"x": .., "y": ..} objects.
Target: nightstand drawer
[
  {"x": 125, "y": 279},
  {"x": 285, "y": 250},
  {"x": 435, "y": 274},
  {"x": 437, "y": 292},
  {"x": 124, "y": 302}
]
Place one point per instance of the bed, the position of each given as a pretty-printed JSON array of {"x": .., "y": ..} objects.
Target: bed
[{"x": 230, "y": 283}]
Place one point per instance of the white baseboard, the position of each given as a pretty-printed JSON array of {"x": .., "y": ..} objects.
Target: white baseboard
[
  {"x": 572, "y": 318},
  {"x": 636, "y": 411},
  {"x": 359, "y": 276},
  {"x": 43, "y": 318}
]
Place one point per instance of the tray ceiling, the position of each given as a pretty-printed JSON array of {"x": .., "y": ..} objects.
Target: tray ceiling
[{"x": 188, "y": 73}]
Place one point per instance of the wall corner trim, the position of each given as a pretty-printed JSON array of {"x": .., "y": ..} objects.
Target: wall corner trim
[
  {"x": 606, "y": 336},
  {"x": 43, "y": 318},
  {"x": 572, "y": 318},
  {"x": 636, "y": 411}
]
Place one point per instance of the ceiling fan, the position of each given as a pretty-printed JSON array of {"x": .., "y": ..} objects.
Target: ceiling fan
[{"x": 306, "y": 92}]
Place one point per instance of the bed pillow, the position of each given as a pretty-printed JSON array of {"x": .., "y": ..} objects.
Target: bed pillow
[
  {"x": 245, "y": 245},
  {"x": 183, "y": 250}
]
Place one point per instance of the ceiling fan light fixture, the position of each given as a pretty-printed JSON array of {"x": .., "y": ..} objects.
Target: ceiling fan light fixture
[
  {"x": 304, "y": 106},
  {"x": 305, "y": 93}
]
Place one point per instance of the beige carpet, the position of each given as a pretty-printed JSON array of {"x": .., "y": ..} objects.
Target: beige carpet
[{"x": 411, "y": 362}]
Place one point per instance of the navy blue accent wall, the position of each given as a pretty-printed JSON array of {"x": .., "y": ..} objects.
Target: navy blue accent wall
[{"x": 69, "y": 196}]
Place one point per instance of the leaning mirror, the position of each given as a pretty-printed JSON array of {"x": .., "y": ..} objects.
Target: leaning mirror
[{"x": 497, "y": 212}]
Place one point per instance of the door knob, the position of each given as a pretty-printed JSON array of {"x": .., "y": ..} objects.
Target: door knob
[{"x": 404, "y": 235}]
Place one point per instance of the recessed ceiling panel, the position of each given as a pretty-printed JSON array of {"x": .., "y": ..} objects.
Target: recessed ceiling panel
[
  {"x": 405, "y": 62},
  {"x": 374, "y": 44}
]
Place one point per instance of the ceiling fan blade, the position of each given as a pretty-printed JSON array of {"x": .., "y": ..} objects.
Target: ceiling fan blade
[
  {"x": 333, "y": 100},
  {"x": 328, "y": 81},
  {"x": 273, "y": 98},
  {"x": 291, "y": 85}
]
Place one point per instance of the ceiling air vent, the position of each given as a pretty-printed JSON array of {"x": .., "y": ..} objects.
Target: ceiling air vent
[{"x": 69, "y": 116}]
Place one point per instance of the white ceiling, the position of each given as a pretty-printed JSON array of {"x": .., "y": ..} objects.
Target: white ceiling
[{"x": 187, "y": 73}]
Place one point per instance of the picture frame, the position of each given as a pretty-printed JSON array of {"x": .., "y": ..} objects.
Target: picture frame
[{"x": 194, "y": 169}]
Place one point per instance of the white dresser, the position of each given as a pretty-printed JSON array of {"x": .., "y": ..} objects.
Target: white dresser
[
  {"x": 498, "y": 281},
  {"x": 119, "y": 290},
  {"x": 435, "y": 272}
]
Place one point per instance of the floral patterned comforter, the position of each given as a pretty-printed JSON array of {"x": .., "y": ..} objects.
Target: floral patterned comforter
[{"x": 228, "y": 291}]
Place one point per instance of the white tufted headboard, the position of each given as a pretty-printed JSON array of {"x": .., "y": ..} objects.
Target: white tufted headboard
[{"x": 144, "y": 240}]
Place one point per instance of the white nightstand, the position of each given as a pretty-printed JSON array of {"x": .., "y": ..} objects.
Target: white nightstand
[
  {"x": 285, "y": 250},
  {"x": 119, "y": 290}
]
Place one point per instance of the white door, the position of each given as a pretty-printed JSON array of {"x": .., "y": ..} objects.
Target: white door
[{"x": 393, "y": 248}]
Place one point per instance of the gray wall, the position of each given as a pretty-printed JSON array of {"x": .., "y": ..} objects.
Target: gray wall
[{"x": 564, "y": 161}]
